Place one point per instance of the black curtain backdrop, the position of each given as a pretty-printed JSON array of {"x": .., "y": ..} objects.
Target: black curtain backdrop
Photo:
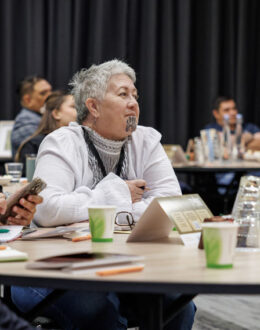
[{"x": 185, "y": 53}]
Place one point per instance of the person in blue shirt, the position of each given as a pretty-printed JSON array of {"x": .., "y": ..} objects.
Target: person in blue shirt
[
  {"x": 33, "y": 91},
  {"x": 226, "y": 105}
]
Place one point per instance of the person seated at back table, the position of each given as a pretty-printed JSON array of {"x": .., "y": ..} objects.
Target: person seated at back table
[
  {"x": 226, "y": 105},
  {"x": 33, "y": 92},
  {"x": 251, "y": 136},
  {"x": 106, "y": 159},
  {"x": 59, "y": 111}
]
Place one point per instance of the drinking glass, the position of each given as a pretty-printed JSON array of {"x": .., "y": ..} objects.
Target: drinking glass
[{"x": 14, "y": 170}]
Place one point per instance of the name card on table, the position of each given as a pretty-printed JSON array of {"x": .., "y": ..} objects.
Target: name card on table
[{"x": 185, "y": 213}]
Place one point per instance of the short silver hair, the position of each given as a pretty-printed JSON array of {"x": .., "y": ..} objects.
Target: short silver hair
[{"x": 93, "y": 83}]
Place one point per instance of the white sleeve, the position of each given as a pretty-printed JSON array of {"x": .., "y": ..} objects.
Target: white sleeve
[
  {"x": 63, "y": 203},
  {"x": 160, "y": 178}
]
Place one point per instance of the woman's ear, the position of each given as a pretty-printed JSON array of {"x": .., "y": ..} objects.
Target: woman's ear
[
  {"x": 56, "y": 114},
  {"x": 92, "y": 106}
]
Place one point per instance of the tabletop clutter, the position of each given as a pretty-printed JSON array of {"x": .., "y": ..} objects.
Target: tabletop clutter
[
  {"x": 213, "y": 146},
  {"x": 188, "y": 214}
]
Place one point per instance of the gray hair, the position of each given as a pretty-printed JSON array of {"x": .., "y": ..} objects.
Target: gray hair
[{"x": 93, "y": 83}]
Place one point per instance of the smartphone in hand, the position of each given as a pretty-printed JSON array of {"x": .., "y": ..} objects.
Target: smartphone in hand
[{"x": 32, "y": 188}]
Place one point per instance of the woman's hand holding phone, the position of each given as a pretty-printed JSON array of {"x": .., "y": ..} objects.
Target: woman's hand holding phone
[{"x": 21, "y": 206}]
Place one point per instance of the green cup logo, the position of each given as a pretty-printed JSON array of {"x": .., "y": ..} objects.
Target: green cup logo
[
  {"x": 97, "y": 223},
  {"x": 101, "y": 222},
  {"x": 213, "y": 246}
]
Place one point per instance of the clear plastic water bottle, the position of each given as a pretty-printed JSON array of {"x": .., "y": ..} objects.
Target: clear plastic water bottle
[
  {"x": 246, "y": 212},
  {"x": 226, "y": 139},
  {"x": 198, "y": 150},
  {"x": 236, "y": 150}
]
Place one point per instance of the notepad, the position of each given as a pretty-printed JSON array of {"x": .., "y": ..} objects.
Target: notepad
[
  {"x": 38, "y": 233},
  {"x": 9, "y": 254}
]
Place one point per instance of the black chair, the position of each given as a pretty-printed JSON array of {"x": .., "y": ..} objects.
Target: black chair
[{"x": 34, "y": 316}]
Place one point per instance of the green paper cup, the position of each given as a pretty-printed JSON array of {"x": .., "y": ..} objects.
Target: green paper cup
[
  {"x": 102, "y": 222},
  {"x": 219, "y": 240}
]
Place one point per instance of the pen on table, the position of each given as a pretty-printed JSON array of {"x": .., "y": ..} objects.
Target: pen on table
[
  {"x": 28, "y": 231},
  {"x": 81, "y": 238},
  {"x": 114, "y": 271}
]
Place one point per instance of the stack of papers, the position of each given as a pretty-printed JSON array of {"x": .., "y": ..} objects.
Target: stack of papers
[
  {"x": 65, "y": 231},
  {"x": 9, "y": 254}
]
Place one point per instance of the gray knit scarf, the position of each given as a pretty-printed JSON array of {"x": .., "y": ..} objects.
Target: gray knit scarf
[{"x": 109, "y": 152}]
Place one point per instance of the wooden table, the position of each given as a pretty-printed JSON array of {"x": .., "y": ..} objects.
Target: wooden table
[{"x": 168, "y": 269}]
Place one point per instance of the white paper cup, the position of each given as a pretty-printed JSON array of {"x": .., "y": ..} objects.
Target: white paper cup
[
  {"x": 219, "y": 240},
  {"x": 102, "y": 222}
]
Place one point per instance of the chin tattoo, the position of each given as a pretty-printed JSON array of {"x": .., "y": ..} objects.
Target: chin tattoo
[{"x": 131, "y": 124}]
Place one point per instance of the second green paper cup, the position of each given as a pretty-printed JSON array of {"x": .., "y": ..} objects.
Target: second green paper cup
[{"x": 219, "y": 239}]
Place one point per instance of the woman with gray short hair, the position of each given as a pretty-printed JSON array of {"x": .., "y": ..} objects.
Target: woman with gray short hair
[{"x": 105, "y": 158}]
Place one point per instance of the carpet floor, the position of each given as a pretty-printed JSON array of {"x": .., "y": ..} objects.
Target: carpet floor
[{"x": 227, "y": 312}]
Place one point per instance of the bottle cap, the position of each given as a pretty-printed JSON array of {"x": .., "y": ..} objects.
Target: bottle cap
[{"x": 226, "y": 116}]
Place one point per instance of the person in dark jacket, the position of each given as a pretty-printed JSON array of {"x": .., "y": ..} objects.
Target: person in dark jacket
[{"x": 33, "y": 91}]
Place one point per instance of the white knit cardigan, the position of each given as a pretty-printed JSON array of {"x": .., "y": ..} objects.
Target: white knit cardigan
[{"x": 62, "y": 162}]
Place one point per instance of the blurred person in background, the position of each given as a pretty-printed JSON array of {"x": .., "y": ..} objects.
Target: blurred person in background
[
  {"x": 226, "y": 105},
  {"x": 59, "y": 110},
  {"x": 33, "y": 92}
]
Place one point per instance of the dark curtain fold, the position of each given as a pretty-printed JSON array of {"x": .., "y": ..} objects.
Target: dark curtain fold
[{"x": 185, "y": 53}]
